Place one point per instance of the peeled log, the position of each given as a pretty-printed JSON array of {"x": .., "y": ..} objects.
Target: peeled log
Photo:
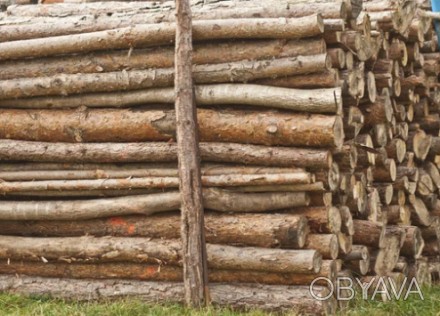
[
  {"x": 161, "y": 152},
  {"x": 135, "y": 249},
  {"x": 139, "y": 125},
  {"x": 267, "y": 297},
  {"x": 323, "y": 100},
  {"x": 242, "y": 71},
  {"x": 214, "y": 199},
  {"x": 160, "y": 57},
  {"x": 259, "y": 230},
  {"x": 142, "y": 35}
]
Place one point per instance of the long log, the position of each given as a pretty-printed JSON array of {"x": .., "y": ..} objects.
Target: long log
[
  {"x": 139, "y": 125},
  {"x": 160, "y": 57},
  {"x": 223, "y": 10},
  {"x": 368, "y": 233},
  {"x": 71, "y": 171},
  {"x": 324, "y": 100},
  {"x": 214, "y": 199},
  {"x": 151, "y": 272},
  {"x": 142, "y": 35},
  {"x": 259, "y": 230},
  {"x": 153, "y": 182},
  {"x": 267, "y": 297},
  {"x": 136, "y": 249},
  {"x": 242, "y": 71},
  {"x": 161, "y": 152}
]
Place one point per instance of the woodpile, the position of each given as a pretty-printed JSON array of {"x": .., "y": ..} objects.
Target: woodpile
[{"x": 319, "y": 127}]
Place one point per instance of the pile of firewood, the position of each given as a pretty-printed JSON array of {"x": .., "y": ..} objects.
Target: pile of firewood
[{"x": 319, "y": 139}]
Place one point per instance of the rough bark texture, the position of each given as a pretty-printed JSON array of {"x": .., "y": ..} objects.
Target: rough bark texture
[
  {"x": 160, "y": 57},
  {"x": 161, "y": 152},
  {"x": 261, "y": 230},
  {"x": 139, "y": 125},
  {"x": 136, "y": 249},
  {"x": 142, "y": 35},
  {"x": 267, "y": 297}
]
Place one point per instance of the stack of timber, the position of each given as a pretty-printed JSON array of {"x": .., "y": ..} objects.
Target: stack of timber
[{"x": 319, "y": 140}]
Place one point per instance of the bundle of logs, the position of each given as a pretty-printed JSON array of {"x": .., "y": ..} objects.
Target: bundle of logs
[{"x": 319, "y": 140}]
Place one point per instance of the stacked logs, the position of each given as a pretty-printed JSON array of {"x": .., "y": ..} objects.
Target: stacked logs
[{"x": 318, "y": 128}]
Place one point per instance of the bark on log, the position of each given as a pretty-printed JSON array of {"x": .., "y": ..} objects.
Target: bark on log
[
  {"x": 242, "y": 71},
  {"x": 318, "y": 80},
  {"x": 259, "y": 230},
  {"x": 161, "y": 152},
  {"x": 326, "y": 244},
  {"x": 160, "y": 57},
  {"x": 223, "y": 10},
  {"x": 214, "y": 199},
  {"x": 139, "y": 125},
  {"x": 142, "y": 35},
  {"x": 150, "y": 272},
  {"x": 267, "y": 297},
  {"x": 368, "y": 233},
  {"x": 71, "y": 171},
  {"x": 419, "y": 213},
  {"x": 152, "y": 183},
  {"x": 321, "y": 219},
  {"x": 135, "y": 249}
]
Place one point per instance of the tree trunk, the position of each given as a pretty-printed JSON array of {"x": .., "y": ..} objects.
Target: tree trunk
[
  {"x": 127, "y": 125},
  {"x": 160, "y": 57},
  {"x": 214, "y": 199},
  {"x": 135, "y": 249},
  {"x": 161, "y": 152},
  {"x": 259, "y": 230},
  {"x": 267, "y": 297},
  {"x": 143, "y": 35}
]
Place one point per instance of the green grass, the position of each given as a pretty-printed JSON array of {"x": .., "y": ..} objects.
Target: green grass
[
  {"x": 18, "y": 305},
  {"x": 15, "y": 305},
  {"x": 430, "y": 306}
]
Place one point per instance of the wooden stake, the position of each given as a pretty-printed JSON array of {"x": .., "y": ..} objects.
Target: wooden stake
[{"x": 195, "y": 277}]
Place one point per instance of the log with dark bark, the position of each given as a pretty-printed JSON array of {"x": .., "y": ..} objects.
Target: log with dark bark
[
  {"x": 215, "y": 199},
  {"x": 268, "y": 297},
  {"x": 137, "y": 249},
  {"x": 260, "y": 230}
]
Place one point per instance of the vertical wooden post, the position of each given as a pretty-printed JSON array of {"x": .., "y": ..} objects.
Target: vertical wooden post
[{"x": 192, "y": 226}]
